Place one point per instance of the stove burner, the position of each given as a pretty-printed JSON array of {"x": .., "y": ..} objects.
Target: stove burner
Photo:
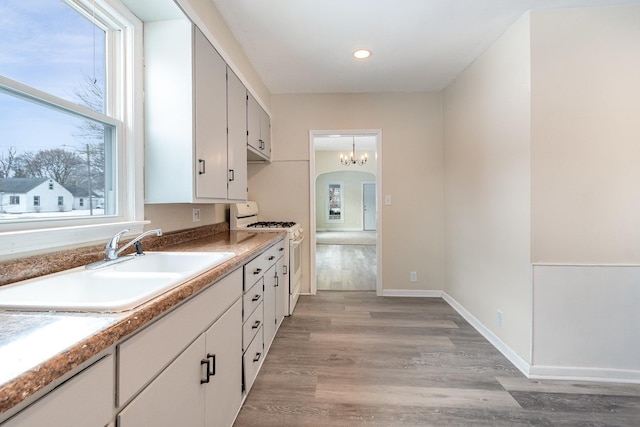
[{"x": 272, "y": 224}]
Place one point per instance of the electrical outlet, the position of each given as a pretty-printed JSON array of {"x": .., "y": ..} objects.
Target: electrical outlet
[
  {"x": 387, "y": 200},
  {"x": 500, "y": 319},
  {"x": 196, "y": 215},
  {"x": 413, "y": 276}
]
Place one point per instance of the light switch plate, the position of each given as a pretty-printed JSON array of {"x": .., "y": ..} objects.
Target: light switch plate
[{"x": 387, "y": 200}]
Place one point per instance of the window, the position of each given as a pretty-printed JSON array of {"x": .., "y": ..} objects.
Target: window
[
  {"x": 14, "y": 200},
  {"x": 36, "y": 200},
  {"x": 81, "y": 202},
  {"x": 70, "y": 96}
]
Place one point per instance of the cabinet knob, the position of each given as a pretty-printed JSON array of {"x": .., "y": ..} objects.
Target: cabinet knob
[
  {"x": 255, "y": 298},
  {"x": 256, "y": 325},
  {"x": 258, "y": 355},
  {"x": 257, "y": 271},
  {"x": 271, "y": 258}
]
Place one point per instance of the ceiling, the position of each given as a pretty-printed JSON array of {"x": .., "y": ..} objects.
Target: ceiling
[{"x": 305, "y": 46}]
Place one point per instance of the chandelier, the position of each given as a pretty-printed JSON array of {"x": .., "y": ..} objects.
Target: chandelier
[{"x": 351, "y": 158}]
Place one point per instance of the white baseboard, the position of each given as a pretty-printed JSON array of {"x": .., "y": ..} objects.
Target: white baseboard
[
  {"x": 584, "y": 374},
  {"x": 503, "y": 348},
  {"x": 411, "y": 293}
]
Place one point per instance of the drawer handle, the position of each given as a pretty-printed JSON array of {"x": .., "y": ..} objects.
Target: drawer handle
[
  {"x": 203, "y": 167},
  {"x": 208, "y": 363},
  {"x": 280, "y": 249},
  {"x": 258, "y": 355},
  {"x": 255, "y": 298},
  {"x": 271, "y": 258},
  {"x": 257, "y": 271},
  {"x": 212, "y": 367},
  {"x": 256, "y": 325}
]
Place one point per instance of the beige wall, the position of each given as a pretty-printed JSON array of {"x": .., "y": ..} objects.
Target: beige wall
[
  {"x": 585, "y": 116},
  {"x": 586, "y": 135},
  {"x": 411, "y": 173},
  {"x": 487, "y": 188},
  {"x": 204, "y": 14}
]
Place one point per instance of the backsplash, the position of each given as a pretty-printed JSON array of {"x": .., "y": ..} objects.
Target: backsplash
[{"x": 43, "y": 264}]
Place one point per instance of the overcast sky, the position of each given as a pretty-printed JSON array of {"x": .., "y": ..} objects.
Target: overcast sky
[{"x": 47, "y": 45}]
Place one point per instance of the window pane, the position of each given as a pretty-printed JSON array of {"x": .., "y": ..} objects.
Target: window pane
[
  {"x": 51, "y": 47},
  {"x": 57, "y": 156}
]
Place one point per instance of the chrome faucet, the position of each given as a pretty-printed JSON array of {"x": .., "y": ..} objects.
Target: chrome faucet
[{"x": 111, "y": 250}]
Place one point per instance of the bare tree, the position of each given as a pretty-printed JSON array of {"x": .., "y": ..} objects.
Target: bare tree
[
  {"x": 56, "y": 163},
  {"x": 91, "y": 134},
  {"x": 8, "y": 163}
]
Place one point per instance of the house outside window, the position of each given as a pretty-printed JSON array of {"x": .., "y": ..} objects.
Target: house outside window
[
  {"x": 81, "y": 202},
  {"x": 70, "y": 93},
  {"x": 60, "y": 200},
  {"x": 14, "y": 200},
  {"x": 36, "y": 200}
]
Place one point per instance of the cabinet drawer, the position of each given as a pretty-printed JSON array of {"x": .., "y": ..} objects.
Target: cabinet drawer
[
  {"x": 274, "y": 252},
  {"x": 252, "y": 299},
  {"x": 165, "y": 339},
  {"x": 251, "y": 327},
  {"x": 252, "y": 360},
  {"x": 253, "y": 271}
]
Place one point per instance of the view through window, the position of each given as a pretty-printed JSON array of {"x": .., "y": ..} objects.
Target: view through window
[{"x": 57, "y": 140}]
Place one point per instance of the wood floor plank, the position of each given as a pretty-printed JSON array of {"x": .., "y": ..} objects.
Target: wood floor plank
[{"x": 416, "y": 396}]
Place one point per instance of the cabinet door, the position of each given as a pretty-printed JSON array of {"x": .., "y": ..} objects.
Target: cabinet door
[
  {"x": 175, "y": 397},
  {"x": 253, "y": 122},
  {"x": 282, "y": 292},
  {"x": 237, "y": 137},
  {"x": 223, "y": 393},
  {"x": 265, "y": 132},
  {"x": 269, "y": 306},
  {"x": 93, "y": 387},
  {"x": 210, "y": 92}
]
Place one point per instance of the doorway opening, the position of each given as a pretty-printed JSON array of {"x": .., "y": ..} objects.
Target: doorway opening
[{"x": 345, "y": 236}]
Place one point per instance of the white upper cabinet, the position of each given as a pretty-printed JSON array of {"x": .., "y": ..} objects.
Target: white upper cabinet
[
  {"x": 258, "y": 131},
  {"x": 237, "y": 137},
  {"x": 186, "y": 151}
]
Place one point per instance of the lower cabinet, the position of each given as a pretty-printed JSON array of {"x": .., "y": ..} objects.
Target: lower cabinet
[
  {"x": 201, "y": 387},
  {"x": 68, "y": 405},
  {"x": 186, "y": 368}
]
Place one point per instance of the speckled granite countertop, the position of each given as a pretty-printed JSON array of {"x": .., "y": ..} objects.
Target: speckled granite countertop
[{"x": 37, "y": 348}]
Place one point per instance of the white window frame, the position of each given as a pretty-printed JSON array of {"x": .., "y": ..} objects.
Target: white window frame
[{"x": 22, "y": 238}]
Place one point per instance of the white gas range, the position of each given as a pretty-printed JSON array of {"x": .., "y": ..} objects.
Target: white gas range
[{"x": 244, "y": 216}]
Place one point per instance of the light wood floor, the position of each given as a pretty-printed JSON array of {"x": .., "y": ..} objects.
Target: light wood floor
[
  {"x": 346, "y": 267},
  {"x": 354, "y": 359}
]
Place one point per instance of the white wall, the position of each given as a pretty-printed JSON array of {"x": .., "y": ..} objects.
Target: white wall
[
  {"x": 411, "y": 172},
  {"x": 487, "y": 188}
]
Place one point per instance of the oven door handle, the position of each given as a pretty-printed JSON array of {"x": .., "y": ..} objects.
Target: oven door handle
[{"x": 295, "y": 243}]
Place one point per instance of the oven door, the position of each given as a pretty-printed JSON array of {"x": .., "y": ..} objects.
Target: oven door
[{"x": 295, "y": 271}]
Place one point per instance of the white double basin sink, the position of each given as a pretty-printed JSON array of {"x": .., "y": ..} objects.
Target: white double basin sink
[{"x": 110, "y": 289}]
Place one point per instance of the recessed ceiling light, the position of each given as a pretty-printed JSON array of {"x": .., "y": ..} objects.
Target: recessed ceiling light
[{"x": 362, "y": 54}]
